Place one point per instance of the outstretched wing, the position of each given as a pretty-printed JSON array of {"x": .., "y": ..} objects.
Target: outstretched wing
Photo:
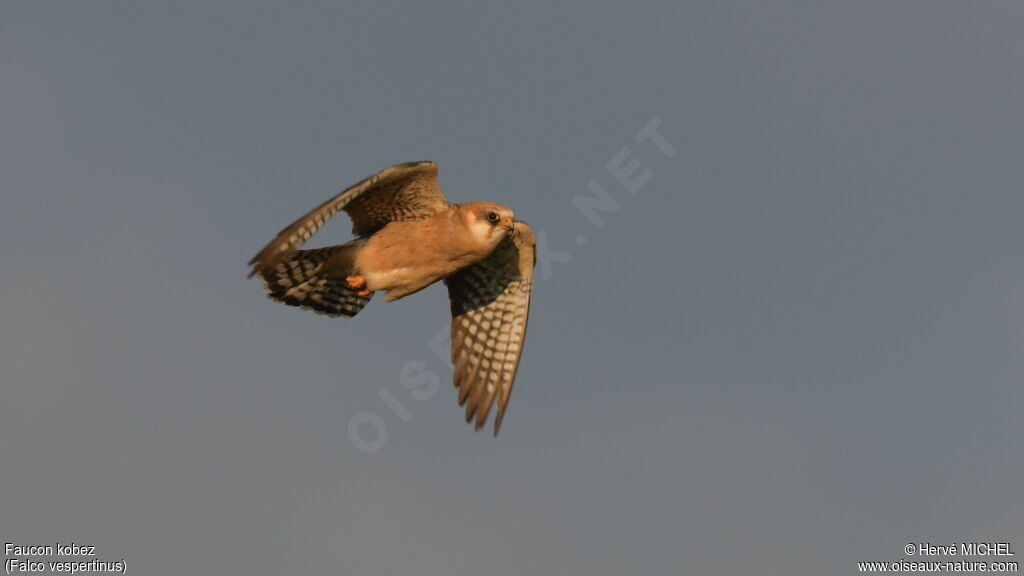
[
  {"x": 402, "y": 192},
  {"x": 490, "y": 304},
  {"x": 304, "y": 280}
]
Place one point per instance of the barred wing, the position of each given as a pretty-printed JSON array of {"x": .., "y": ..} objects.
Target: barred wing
[
  {"x": 302, "y": 280},
  {"x": 490, "y": 304},
  {"x": 402, "y": 192}
]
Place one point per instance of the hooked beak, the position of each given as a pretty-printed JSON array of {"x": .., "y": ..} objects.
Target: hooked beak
[{"x": 507, "y": 223}]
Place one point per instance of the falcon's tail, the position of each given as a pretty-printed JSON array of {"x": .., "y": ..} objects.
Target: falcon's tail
[{"x": 315, "y": 280}]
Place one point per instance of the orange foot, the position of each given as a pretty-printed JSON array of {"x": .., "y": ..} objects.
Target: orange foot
[{"x": 358, "y": 283}]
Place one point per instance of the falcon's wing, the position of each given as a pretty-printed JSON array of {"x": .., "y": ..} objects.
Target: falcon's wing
[
  {"x": 403, "y": 192},
  {"x": 490, "y": 304}
]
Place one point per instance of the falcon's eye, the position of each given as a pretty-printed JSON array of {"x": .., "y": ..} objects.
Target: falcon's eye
[{"x": 492, "y": 217}]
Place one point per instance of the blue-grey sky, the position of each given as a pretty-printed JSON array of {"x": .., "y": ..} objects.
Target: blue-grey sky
[{"x": 797, "y": 346}]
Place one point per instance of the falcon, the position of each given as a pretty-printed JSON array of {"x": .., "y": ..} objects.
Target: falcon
[{"x": 408, "y": 236}]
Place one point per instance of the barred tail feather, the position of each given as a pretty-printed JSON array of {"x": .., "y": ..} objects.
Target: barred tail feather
[{"x": 315, "y": 280}]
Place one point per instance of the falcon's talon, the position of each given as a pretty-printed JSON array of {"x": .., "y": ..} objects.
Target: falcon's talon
[
  {"x": 364, "y": 293},
  {"x": 357, "y": 282}
]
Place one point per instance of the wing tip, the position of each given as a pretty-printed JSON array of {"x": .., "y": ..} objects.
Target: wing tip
[{"x": 405, "y": 167}]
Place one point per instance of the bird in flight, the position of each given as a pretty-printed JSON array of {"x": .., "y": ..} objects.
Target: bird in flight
[{"x": 408, "y": 236}]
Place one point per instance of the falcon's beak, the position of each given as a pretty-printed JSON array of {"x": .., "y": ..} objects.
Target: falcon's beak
[{"x": 507, "y": 223}]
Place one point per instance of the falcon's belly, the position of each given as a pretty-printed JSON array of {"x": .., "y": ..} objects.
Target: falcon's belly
[
  {"x": 406, "y": 257},
  {"x": 399, "y": 282}
]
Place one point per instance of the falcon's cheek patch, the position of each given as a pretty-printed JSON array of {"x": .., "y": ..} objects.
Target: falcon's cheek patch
[{"x": 481, "y": 231}]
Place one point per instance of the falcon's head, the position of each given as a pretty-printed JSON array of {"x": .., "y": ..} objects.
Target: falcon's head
[{"x": 489, "y": 223}]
